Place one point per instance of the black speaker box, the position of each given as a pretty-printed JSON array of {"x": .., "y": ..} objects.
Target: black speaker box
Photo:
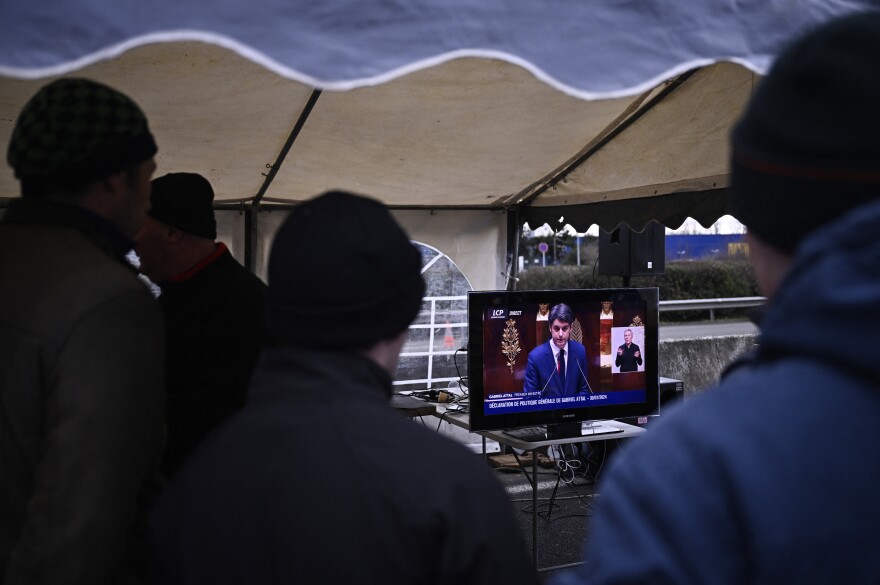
[{"x": 625, "y": 252}]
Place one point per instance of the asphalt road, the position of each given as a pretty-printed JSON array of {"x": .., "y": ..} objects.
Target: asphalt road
[{"x": 706, "y": 329}]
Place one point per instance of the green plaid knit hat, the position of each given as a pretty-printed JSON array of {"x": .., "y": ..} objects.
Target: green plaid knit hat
[{"x": 74, "y": 131}]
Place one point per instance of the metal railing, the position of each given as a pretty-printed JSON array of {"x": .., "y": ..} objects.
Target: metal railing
[{"x": 712, "y": 304}]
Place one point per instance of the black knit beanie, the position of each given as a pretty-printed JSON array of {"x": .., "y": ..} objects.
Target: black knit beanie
[
  {"x": 73, "y": 132},
  {"x": 807, "y": 149},
  {"x": 184, "y": 201},
  {"x": 342, "y": 274}
]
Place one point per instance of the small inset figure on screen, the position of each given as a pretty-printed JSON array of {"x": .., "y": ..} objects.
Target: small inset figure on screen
[
  {"x": 558, "y": 368},
  {"x": 629, "y": 356}
]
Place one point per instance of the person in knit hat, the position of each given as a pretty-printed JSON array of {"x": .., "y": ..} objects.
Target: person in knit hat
[
  {"x": 81, "y": 342},
  {"x": 771, "y": 476},
  {"x": 214, "y": 311},
  {"x": 396, "y": 502}
]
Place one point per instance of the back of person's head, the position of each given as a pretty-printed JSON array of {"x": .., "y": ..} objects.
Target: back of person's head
[
  {"x": 342, "y": 275},
  {"x": 74, "y": 132},
  {"x": 184, "y": 201},
  {"x": 561, "y": 313},
  {"x": 807, "y": 149}
]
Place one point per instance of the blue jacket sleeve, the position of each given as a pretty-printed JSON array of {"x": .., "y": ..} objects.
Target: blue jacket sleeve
[{"x": 531, "y": 382}]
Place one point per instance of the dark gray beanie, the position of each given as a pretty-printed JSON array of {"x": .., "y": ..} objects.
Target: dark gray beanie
[
  {"x": 342, "y": 274},
  {"x": 184, "y": 201},
  {"x": 74, "y": 131},
  {"x": 807, "y": 149}
]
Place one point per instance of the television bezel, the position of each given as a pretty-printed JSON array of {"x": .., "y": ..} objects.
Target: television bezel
[{"x": 479, "y": 301}]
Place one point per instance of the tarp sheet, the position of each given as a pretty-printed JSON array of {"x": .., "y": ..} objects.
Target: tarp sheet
[{"x": 600, "y": 112}]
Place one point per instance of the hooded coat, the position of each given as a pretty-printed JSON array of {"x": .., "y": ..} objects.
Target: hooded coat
[{"x": 772, "y": 476}]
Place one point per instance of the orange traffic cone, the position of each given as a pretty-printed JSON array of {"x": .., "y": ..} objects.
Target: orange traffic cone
[{"x": 449, "y": 340}]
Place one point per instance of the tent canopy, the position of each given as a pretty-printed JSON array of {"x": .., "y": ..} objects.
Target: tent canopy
[{"x": 596, "y": 112}]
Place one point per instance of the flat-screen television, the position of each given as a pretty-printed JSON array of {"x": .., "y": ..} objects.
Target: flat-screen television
[{"x": 517, "y": 376}]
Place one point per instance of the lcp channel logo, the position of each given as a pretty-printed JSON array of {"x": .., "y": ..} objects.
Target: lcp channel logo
[{"x": 497, "y": 313}]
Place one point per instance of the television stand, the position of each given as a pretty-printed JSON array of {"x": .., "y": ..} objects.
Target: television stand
[
  {"x": 515, "y": 438},
  {"x": 574, "y": 430}
]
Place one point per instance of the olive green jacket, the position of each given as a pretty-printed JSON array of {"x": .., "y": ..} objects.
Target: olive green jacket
[{"x": 81, "y": 399}]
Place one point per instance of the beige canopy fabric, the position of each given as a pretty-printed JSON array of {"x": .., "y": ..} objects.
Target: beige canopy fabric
[
  {"x": 469, "y": 133},
  {"x": 668, "y": 156},
  {"x": 565, "y": 112}
]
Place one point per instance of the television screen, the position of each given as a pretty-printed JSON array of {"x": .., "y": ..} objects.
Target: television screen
[{"x": 561, "y": 357}]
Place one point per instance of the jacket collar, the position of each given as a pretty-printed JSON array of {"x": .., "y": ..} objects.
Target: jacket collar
[
  {"x": 340, "y": 374},
  {"x": 96, "y": 228},
  {"x": 219, "y": 250}
]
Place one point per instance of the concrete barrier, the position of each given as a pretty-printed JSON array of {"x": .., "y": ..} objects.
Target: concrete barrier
[{"x": 698, "y": 362}]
